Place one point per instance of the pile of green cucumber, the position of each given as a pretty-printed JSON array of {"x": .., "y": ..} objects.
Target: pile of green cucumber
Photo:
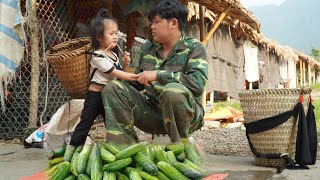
[{"x": 104, "y": 161}]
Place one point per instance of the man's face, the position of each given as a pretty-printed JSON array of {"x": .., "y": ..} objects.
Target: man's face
[{"x": 160, "y": 29}]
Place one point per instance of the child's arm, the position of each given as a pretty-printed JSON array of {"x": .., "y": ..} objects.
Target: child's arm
[{"x": 124, "y": 75}]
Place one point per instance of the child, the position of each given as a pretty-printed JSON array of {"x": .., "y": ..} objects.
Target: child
[
  {"x": 173, "y": 72},
  {"x": 105, "y": 66}
]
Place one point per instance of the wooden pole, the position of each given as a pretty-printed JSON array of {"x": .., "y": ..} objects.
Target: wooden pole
[
  {"x": 204, "y": 95},
  {"x": 317, "y": 75},
  {"x": 314, "y": 74},
  {"x": 206, "y": 39},
  {"x": 295, "y": 68},
  {"x": 301, "y": 75},
  {"x": 201, "y": 23},
  {"x": 309, "y": 74},
  {"x": 216, "y": 25},
  {"x": 35, "y": 59},
  {"x": 304, "y": 73}
]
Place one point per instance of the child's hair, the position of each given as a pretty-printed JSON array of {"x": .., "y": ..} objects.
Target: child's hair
[
  {"x": 97, "y": 28},
  {"x": 169, "y": 9}
]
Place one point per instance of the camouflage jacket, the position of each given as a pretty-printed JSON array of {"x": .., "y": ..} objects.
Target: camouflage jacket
[{"x": 186, "y": 64}]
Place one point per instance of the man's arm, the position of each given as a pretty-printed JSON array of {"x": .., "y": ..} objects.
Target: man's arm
[
  {"x": 136, "y": 84},
  {"x": 196, "y": 75}
]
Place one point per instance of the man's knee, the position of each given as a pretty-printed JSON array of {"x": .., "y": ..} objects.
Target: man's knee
[
  {"x": 176, "y": 92},
  {"x": 112, "y": 87}
]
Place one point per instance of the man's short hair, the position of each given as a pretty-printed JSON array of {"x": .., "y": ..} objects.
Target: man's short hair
[{"x": 169, "y": 9}]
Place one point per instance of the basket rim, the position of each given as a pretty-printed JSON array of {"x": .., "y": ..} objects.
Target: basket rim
[
  {"x": 304, "y": 90},
  {"x": 69, "y": 54},
  {"x": 72, "y": 41},
  {"x": 78, "y": 51}
]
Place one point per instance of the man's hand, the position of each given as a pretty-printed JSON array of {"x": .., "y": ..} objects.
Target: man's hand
[
  {"x": 147, "y": 76},
  {"x": 126, "y": 59}
]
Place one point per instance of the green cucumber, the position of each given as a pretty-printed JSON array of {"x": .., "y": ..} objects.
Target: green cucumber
[
  {"x": 89, "y": 165},
  {"x": 162, "y": 176},
  {"x": 131, "y": 150},
  {"x": 52, "y": 170},
  {"x": 159, "y": 154},
  {"x": 146, "y": 175},
  {"x": 187, "y": 170},
  {"x": 83, "y": 177},
  {"x": 69, "y": 152},
  {"x": 146, "y": 163},
  {"x": 57, "y": 153},
  {"x": 171, "y": 157},
  {"x": 181, "y": 157},
  {"x": 55, "y": 161},
  {"x": 117, "y": 165},
  {"x": 176, "y": 148},
  {"x": 192, "y": 165},
  {"x": 192, "y": 153},
  {"x": 128, "y": 169},
  {"x": 111, "y": 148},
  {"x": 134, "y": 175},
  {"x": 121, "y": 176},
  {"x": 109, "y": 176},
  {"x": 71, "y": 177},
  {"x": 73, "y": 164},
  {"x": 170, "y": 171},
  {"x": 96, "y": 164},
  {"x": 107, "y": 155},
  {"x": 83, "y": 159},
  {"x": 148, "y": 151},
  {"x": 62, "y": 171}
]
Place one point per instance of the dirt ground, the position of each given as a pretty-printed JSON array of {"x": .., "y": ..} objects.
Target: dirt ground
[{"x": 17, "y": 162}]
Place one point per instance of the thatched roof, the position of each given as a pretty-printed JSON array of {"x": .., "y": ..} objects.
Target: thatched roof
[
  {"x": 193, "y": 11},
  {"x": 237, "y": 11},
  {"x": 283, "y": 52},
  {"x": 312, "y": 61}
]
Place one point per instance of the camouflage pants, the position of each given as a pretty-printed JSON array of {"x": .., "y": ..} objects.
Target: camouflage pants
[{"x": 176, "y": 114}]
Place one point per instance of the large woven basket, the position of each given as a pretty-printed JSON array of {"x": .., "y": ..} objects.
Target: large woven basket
[
  {"x": 260, "y": 104},
  {"x": 71, "y": 65}
]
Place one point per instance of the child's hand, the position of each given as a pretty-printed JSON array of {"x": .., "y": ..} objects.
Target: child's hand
[
  {"x": 126, "y": 58},
  {"x": 133, "y": 77}
]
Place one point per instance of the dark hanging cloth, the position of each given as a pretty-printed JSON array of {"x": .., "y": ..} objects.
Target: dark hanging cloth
[
  {"x": 306, "y": 142},
  {"x": 312, "y": 129}
]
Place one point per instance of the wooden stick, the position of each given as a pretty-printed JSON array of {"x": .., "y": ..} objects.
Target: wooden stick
[
  {"x": 201, "y": 22},
  {"x": 216, "y": 25},
  {"x": 301, "y": 74},
  {"x": 35, "y": 70},
  {"x": 120, "y": 49},
  {"x": 309, "y": 74}
]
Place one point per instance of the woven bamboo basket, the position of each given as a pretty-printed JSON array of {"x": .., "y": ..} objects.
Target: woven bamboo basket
[
  {"x": 260, "y": 104},
  {"x": 71, "y": 65}
]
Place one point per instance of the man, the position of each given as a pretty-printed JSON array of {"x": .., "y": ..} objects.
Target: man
[{"x": 173, "y": 72}]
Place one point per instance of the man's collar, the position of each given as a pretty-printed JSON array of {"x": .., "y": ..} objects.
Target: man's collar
[{"x": 179, "y": 45}]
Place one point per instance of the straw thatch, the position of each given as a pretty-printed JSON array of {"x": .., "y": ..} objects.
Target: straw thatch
[
  {"x": 237, "y": 11},
  {"x": 309, "y": 59},
  {"x": 283, "y": 52},
  {"x": 193, "y": 11}
]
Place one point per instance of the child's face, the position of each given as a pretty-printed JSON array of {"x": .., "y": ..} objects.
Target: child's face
[
  {"x": 160, "y": 29},
  {"x": 110, "y": 36}
]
